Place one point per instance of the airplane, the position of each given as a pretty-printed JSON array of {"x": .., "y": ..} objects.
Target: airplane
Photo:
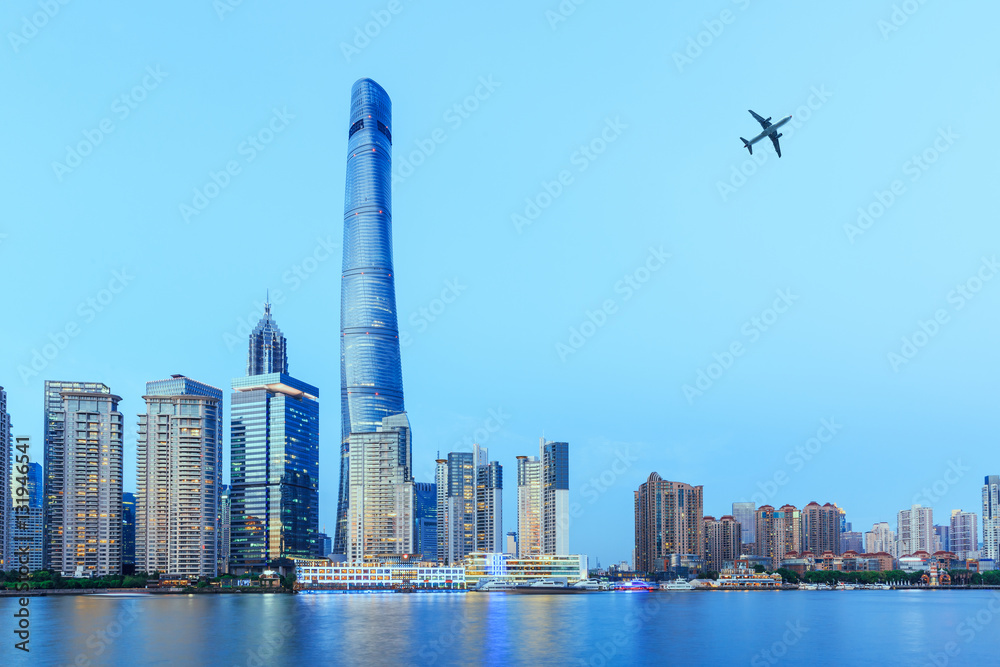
[{"x": 769, "y": 131}]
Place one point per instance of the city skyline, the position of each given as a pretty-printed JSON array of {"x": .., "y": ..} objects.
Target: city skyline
[{"x": 465, "y": 308}]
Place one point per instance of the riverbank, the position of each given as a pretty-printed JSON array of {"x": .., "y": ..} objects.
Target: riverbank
[{"x": 43, "y": 592}]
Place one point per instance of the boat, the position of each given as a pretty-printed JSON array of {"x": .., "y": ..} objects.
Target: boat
[
  {"x": 589, "y": 585},
  {"x": 545, "y": 586},
  {"x": 677, "y": 584},
  {"x": 491, "y": 585},
  {"x": 637, "y": 585},
  {"x": 807, "y": 587}
]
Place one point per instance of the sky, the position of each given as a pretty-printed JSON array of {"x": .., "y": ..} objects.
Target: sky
[{"x": 583, "y": 248}]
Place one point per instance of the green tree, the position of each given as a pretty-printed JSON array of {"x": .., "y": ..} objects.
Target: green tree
[{"x": 790, "y": 576}]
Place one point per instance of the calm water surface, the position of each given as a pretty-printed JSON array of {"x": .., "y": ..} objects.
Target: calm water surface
[{"x": 714, "y": 628}]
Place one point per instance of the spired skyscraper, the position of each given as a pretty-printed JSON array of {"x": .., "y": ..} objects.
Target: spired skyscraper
[
  {"x": 371, "y": 379},
  {"x": 273, "y": 509}
]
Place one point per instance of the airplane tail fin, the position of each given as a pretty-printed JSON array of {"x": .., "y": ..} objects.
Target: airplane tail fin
[{"x": 747, "y": 144}]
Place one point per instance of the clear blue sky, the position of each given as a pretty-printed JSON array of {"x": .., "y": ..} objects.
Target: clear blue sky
[{"x": 611, "y": 69}]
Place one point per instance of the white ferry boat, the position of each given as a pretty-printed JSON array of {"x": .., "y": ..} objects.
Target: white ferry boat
[{"x": 677, "y": 584}]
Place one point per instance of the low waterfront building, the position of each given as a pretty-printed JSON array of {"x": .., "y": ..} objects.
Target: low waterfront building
[
  {"x": 323, "y": 575},
  {"x": 742, "y": 575},
  {"x": 506, "y": 567}
]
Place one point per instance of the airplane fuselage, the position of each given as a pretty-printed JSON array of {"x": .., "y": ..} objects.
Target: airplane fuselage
[{"x": 769, "y": 130}]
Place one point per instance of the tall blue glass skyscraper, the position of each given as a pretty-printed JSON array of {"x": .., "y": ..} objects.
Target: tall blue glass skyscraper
[
  {"x": 371, "y": 379},
  {"x": 274, "y": 467}
]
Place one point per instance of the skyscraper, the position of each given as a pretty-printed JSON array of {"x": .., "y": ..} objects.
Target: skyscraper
[
  {"x": 83, "y": 479},
  {"x": 991, "y": 517},
  {"x": 128, "y": 533},
  {"x": 268, "y": 351},
  {"x": 26, "y": 523},
  {"x": 744, "y": 513},
  {"x": 821, "y": 528},
  {"x": 723, "y": 541},
  {"x": 915, "y": 531},
  {"x": 179, "y": 478},
  {"x": 425, "y": 519},
  {"x": 779, "y": 532},
  {"x": 6, "y": 500},
  {"x": 555, "y": 498},
  {"x": 529, "y": 506},
  {"x": 380, "y": 491},
  {"x": 963, "y": 537},
  {"x": 669, "y": 520},
  {"x": 489, "y": 507},
  {"x": 274, "y": 462},
  {"x": 881, "y": 539},
  {"x": 371, "y": 379},
  {"x": 458, "y": 530}
]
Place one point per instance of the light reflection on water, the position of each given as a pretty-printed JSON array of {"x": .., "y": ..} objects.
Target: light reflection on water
[{"x": 792, "y": 627}]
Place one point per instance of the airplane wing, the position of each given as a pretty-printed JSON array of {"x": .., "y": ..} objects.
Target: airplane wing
[
  {"x": 764, "y": 123},
  {"x": 774, "y": 140}
]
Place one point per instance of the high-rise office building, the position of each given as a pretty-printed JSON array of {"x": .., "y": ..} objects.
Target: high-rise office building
[
  {"x": 179, "y": 478},
  {"x": 6, "y": 499},
  {"x": 669, "y": 520},
  {"x": 268, "y": 348},
  {"x": 83, "y": 479},
  {"x": 942, "y": 538},
  {"x": 128, "y": 533},
  {"x": 915, "y": 531},
  {"x": 489, "y": 508},
  {"x": 274, "y": 462},
  {"x": 555, "y": 498},
  {"x": 225, "y": 528},
  {"x": 991, "y": 518},
  {"x": 852, "y": 541},
  {"x": 457, "y": 533},
  {"x": 511, "y": 547},
  {"x": 723, "y": 541},
  {"x": 380, "y": 492},
  {"x": 963, "y": 537},
  {"x": 821, "y": 528},
  {"x": 371, "y": 379},
  {"x": 881, "y": 539},
  {"x": 779, "y": 532},
  {"x": 744, "y": 513},
  {"x": 529, "y": 506},
  {"x": 26, "y": 523},
  {"x": 425, "y": 519}
]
